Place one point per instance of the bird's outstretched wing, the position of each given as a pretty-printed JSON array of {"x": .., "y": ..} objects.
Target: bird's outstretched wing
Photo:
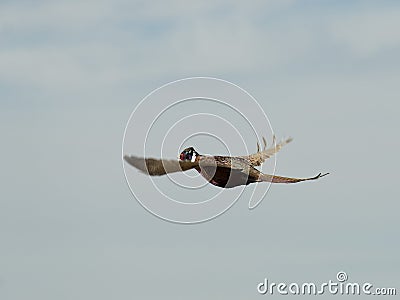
[
  {"x": 157, "y": 167},
  {"x": 258, "y": 158}
]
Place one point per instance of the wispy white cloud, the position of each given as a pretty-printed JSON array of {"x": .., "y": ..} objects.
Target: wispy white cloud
[
  {"x": 99, "y": 43},
  {"x": 76, "y": 45},
  {"x": 53, "y": 15},
  {"x": 368, "y": 32}
]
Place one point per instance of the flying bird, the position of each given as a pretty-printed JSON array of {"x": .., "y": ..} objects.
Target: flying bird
[{"x": 221, "y": 171}]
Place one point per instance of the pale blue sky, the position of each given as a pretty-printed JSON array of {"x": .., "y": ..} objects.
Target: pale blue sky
[{"x": 326, "y": 72}]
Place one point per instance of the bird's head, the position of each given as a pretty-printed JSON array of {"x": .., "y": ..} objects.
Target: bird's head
[{"x": 189, "y": 154}]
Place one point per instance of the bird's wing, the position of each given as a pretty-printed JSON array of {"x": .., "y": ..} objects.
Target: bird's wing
[
  {"x": 221, "y": 162},
  {"x": 157, "y": 167},
  {"x": 258, "y": 158}
]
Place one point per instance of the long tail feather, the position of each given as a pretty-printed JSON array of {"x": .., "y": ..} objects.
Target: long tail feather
[{"x": 280, "y": 179}]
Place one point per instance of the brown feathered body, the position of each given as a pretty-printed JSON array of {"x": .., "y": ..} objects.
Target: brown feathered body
[{"x": 228, "y": 172}]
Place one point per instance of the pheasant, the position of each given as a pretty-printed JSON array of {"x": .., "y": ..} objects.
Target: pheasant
[{"x": 221, "y": 171}]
